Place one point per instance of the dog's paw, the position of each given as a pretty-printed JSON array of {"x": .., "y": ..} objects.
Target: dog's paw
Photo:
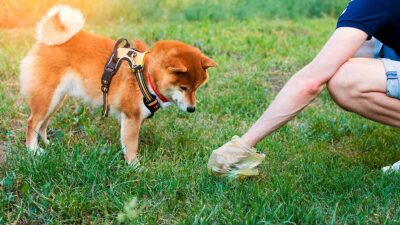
[
  {"x": 46, "y": 141},
  {"x": 36, "y": 151},
  {"x": 135, "y": 164},
  {"x": 393, "y": 168}
]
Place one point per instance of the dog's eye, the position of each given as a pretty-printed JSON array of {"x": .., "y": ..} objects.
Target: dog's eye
[
  {"x": 183, "y": 88},
  {"x": 179, "y": 73}
]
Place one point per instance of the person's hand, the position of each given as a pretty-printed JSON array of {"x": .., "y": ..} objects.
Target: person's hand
[{"x": 235, "y": 159}]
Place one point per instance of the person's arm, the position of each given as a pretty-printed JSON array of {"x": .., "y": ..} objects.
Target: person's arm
[{"x": 307, "y": 84}]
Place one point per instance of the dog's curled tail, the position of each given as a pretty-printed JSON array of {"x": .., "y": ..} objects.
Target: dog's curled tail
[{"x": 60, "y": 23}]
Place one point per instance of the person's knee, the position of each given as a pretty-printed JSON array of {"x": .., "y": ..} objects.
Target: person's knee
[{"x": 344, "y": 86}]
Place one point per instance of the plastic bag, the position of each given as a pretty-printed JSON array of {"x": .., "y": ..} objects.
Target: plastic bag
[{"x": 235, "y": 160}]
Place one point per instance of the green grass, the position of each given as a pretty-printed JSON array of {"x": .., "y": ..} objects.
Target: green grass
[{"x": 321, "y": 168}]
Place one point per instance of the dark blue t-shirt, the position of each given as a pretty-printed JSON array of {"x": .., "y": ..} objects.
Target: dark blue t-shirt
[{"x": 378, "y": 18}]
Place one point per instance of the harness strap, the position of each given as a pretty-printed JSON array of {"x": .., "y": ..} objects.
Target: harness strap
[
  {"x": 110, "y": 69},
  {"x": 150, "y": 100}
]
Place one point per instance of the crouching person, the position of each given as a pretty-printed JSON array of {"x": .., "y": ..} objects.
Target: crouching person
[{"x": 359, "y": 64}]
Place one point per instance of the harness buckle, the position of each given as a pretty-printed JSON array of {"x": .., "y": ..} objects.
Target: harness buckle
[
  {"x": 109, "y": 69},
  {"x": 152, "y": 105},
  {"x": 136, "y": 68}
]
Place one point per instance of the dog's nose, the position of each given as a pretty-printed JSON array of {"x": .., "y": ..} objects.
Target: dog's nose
[{"x": 191, "y": 109}]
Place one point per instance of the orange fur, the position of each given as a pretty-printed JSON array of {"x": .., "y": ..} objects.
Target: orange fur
[{"x": 74, "y": 68}]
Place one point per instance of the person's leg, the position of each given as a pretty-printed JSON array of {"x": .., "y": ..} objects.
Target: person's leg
[{"x": 360, "y": 86}]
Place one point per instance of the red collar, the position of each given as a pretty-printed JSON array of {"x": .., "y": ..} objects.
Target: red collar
[{"x": 155, "y": 89}]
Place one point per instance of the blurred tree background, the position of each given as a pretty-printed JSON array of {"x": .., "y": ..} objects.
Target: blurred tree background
[{"x": 25, "y": 13}]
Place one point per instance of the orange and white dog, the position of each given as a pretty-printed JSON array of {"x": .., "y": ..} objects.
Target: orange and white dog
[{"x": 67, "y": 61}]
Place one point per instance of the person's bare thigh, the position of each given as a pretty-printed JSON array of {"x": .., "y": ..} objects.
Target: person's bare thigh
[
  {"x": 359, "y": 86},
  {"x": 361, "y": 75}
]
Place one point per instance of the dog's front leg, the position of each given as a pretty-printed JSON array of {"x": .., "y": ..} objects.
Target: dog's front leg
[{"x": 130, "y": 127}]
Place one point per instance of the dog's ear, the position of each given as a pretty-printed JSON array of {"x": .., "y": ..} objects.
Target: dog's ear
[
  {"x": 139, "y": 45},
  {"x": 207, "y": 62},
  {"x": 177, "y": 67},
  {"x": 173, "y": 62}
]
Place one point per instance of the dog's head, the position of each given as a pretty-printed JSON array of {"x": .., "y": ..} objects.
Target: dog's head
[{"x": 178, "y": 70}]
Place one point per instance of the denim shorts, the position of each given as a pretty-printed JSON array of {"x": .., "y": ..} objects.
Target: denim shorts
[{"x": 391, "y": 62}]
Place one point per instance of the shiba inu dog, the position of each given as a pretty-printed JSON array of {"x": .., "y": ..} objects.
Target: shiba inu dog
[{"x": 67, "y": 61}]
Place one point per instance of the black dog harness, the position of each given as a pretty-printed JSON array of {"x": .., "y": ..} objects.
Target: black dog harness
[{"x": 111, "y": 68}]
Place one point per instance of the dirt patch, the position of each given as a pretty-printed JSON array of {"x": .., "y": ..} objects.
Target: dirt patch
[{"x": 2, "y": 153}]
